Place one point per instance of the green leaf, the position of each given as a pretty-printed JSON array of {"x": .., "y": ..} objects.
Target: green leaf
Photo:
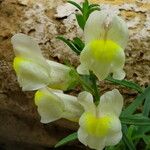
[
  {"x": 125, "y": 83},
  {"x": 131, "y": 129},
  {"x": 146, "y": 139},
  {"x": 75, "y": 4},
  {"x": 86, "y": 10},
  {"x": 93, "y": 9},
  {"x": 67, "y": 139},
  {"x": 136, "y": 103},
  {"x": 78, "y": 43},
  {"x": 94, "y": 5},
  {"x": 69, "y": 43},
  {"x": 135, "y": 120},
  {"x": 143, "y": 130},
  {"x": 80, "y": 21},
  {"x": 146, "y": 108},
  {"x": 128, "y": 142}
]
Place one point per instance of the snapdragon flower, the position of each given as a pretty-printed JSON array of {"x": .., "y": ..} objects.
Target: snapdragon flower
[
  {"x": 33, "y": 70},
  {"x": 100, "y": 126},
  {"x": 106, "y": 36},
  {"x": 53, "y": 105}
]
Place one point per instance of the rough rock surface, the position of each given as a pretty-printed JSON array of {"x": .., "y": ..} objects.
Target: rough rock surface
[{"x": 20, "y": 127}]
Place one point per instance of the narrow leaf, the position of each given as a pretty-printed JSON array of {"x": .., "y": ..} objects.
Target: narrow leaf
[
  {"x": 75, "y": 4},
  {"x": 78, "y": 43},
  {"x": 94, "y": 9},
  {"x": 128, "y": 142},
  {"x": 69, "y": 43},
  {"x": 146, "y": 139},
  {"x": 85, "y": 9},
  {"x": 135, "y": 120},
  {"x": 146, "y": 108},
  {"x": 136, "y": 103},
  {"x": 80, "y": 21},
  {"x": 125, "y": 83},
  {"x": 67, "y": 139},
  {"x": 143, "y": 130},
  {"x": 94, "y": 5}
]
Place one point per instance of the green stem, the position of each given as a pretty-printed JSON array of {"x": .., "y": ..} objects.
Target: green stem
[
  {"x": 84, "y": 84},
  {"x": 95, "y": 87}
]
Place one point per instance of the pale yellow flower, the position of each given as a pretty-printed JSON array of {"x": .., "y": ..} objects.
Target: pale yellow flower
[
  {"x": 106, "y": 37},
  {"x": 100, "y": 126},
  {"x": 53, "y": 105},
  {"x": 33, "y": 70}
]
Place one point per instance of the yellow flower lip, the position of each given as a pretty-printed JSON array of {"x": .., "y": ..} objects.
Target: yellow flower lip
[
  {"x": 104, "y": 50},
  {"x": 17, "y": 62},
  {"x": 97, "y": 126}
]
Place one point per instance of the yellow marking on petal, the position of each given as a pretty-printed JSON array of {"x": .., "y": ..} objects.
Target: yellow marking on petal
[
  {"x": 38, "y": 97},
  {"x": 104, "y": 50},
  {"x": 43, "y": 95},
  {"x": 97, "y": 126},
  {"x": 17, "y": 62}
]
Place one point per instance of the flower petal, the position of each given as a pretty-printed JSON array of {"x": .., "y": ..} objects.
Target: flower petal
[
  {"x": 105, "y": 25},
  {"x": 86, "y": 100},
  {"x": 73, "y": 110},
  {"x": 60, "y": 76},
  {"x": 101, "y": 69},
  {"x": 94, "y": 29},
  {"x": 82, "y": 69},
  {"x": 82, "y": 136},
  {"x": 25, "y": 46},
  {"x": 113, "y": 139},
  {"x": 119, "y": 74},
  {"x": 50, "y": 106},
  {"x": 118, "y": 31},
  {"x": 31, "y": 76},
  {"x": 111, "y": 103},
  {"x": 96, "y": 142},
  {"x": 87, "y": 138},
  {"x": 117, "y": 65}
]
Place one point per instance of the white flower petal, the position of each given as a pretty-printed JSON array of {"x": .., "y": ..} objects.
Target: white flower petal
[
  {"x": 118, "y": 31},
  {"x": 50, "y": 106},
  {"x": 73, "y": 110},
  {"x": 60, "y": 75},
  {"x": 82, "y": 136},
  {"x": 117, "y": 66},
  {"x": 101, "y": 70},
  {"x": 81, "y": 69},
  {"x": 113, "y": 139},
  {"x": 25, "y": 46},
  {"x": 119, "y": 74},
  {"x": 105, "y": 25},
  {"x": 86, "y": 100},
  {"x": 31, "y": 76},
  {"x": 96, "y": 142},
  {"x": 111, "y": 103},
  {"x": 94, "y": 29},
  {"x": 87, "y": 139}
]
